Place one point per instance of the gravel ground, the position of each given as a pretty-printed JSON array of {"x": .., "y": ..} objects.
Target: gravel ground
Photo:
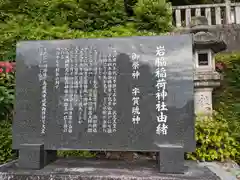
[{"x": 225, "y": 170}]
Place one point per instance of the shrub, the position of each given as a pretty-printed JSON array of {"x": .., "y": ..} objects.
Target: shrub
[
  {"x": 6, "y": 152},
  {"x": 214, "y": 140},
  {"x": 226, "y": 98},
  {"x": 27, "y": 30},
  {"x": 90, "y": 15},
  {"x": 6, "y": 90},
  {"x": 61, "y": 19},
  {"x": 6, "y": 108},
  {"x": 100, "y": 14},
  {"x": 81, "y": 14},
  {"x": 153, "y": 15}
]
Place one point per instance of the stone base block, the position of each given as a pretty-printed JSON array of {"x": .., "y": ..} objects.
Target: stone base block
[
  {"x": 33, "y": 156},
  {"x": 171, "y": 159}
]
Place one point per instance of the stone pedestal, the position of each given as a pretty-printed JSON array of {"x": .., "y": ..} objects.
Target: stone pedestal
[
  {"x": 33, "y": 156},
  {"x": 171, "y": 159},
  {"x": 204, "y": 83},
  {"x": 203, "y": 100}
]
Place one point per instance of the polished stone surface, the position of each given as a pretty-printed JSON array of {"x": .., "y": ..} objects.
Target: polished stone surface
[
  {"x": 27, "y": 125},
  {"x": 76, "y": 169}
]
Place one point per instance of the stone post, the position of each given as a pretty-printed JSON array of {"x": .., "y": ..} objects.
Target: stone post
[
  {"x": 228, "y": 12},
  {"x": 206, "y": 78}
]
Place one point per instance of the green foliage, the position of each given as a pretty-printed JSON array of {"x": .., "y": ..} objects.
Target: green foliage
[
  {"x": 214, "y": 140},
  {"x": 27, "y": 30},
  {"x": 227, "y": 97},
  {"x": 66, "y": 19},
  {"x": 6, "y": 95},
  {"x": 6, "y": 152},
  {"x": 7, "y": 83},
  {"x": 88, "y": 15},
  {"x": 78, "y": 14},
  {"x": 153, "y": 15}
]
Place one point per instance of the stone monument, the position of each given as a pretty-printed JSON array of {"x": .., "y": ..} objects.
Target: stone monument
[{"x": 112, "y": 94}]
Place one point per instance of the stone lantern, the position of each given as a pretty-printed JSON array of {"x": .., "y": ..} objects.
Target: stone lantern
[{"x": 206, "y": 78}]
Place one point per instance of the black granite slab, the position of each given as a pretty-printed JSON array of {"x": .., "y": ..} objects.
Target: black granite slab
[
  {"x": 80, "y": 169},
  {"x": 111, "y": 94},
  {"x": 43, "y": 89}
]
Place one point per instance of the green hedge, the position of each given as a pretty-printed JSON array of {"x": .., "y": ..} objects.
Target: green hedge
[
  {"x": 153, "y": 15},
  {"x": 15, "y": 31},
  {"x": 227, "y": 96},
  {"x": 6, "y": 152},
  {"x": 65, "y": 19},
  {"x": 214, "y": 140},
  {"x": 76, "y": 14}
]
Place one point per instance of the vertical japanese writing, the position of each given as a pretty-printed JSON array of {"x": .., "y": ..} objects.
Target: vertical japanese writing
[
  {"x": 42, "y": 78},
  {"x": 109, "y": 76},
  {"x": 104, "y": 109},
  {"x": 85, "y": 85},
  {"x": 94, "y": 91},
  {"x": 57, "y": 77},
  {"x": 80, "y": 55},
  {"x": 109, "y": 93},
  {"x": 135, "y": 91},
  {"x": 71, "y": 88},
  {"x": 76, "y": 75},
  {"x": 82, "y": 74},
  {"x": 65, "y": 58},
  {"x": 114, "y": 90},
  {"x": 161, "y": 93},
  {"x": 89, "y": 95}
]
